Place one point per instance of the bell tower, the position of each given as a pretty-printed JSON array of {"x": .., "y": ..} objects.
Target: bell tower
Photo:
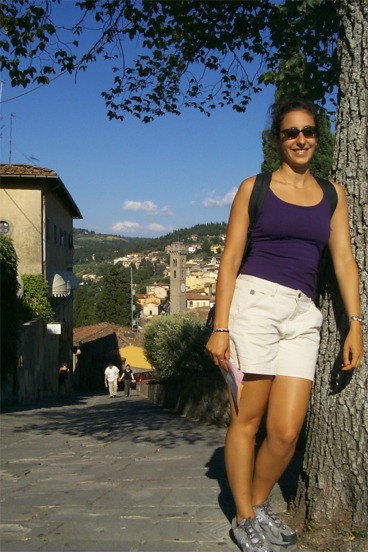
[{"x": 178, "y": 258}]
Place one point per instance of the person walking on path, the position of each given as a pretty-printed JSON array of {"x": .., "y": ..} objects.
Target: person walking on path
[
  {"x": 111, "y": 379},
  {"x": 266, "y": 322},
  {"x": 63, "y": 379},
  {"x": 127, "y": 376}
]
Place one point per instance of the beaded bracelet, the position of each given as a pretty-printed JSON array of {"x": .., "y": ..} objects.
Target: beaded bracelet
[
  {"x": 356, "y": 319},
  {"x": 221, "y": 330}
]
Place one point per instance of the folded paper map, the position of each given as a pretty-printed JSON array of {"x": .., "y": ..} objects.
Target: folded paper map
[{"x": 234, "y": 379}]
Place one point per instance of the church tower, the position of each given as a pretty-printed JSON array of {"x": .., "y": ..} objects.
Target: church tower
[{"x": 178, "y": 258}]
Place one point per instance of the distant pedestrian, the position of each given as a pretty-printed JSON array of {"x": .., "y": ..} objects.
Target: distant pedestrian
[
  {"x": 128, "y": 377},
  {"x": 111, "y": 379},
  {"x": 63, "y": 379}
]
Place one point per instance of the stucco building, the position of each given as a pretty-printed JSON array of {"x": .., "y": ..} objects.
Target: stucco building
[{"x": 37, "y": 213}]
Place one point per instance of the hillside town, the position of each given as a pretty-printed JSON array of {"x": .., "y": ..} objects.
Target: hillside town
[{"x": 199, "y": 279}]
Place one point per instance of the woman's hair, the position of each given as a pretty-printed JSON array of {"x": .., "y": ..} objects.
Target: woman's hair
[{"x": 282, "y": 107}]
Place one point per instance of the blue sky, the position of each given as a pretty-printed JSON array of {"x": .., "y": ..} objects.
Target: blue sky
[{"x": 128, "y": 178}]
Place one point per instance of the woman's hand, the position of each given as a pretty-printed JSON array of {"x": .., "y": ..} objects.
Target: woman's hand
[
  {"x": 218, "y": 347},
  {"x": 353, "y": 348}
]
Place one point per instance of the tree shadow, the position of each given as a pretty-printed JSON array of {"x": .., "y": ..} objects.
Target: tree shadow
[
  {"x": 135, "y": 419},
  {"x": 216, "y": 470}
]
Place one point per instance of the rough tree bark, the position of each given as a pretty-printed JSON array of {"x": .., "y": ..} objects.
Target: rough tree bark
[{"x": 335, "y": 486}]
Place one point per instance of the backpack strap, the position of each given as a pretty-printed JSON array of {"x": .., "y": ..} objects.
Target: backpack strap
[
  {"x": 329, "y": 192},
  {"x": 257, "y": 197},
  {"x": 261, "y": 185}
]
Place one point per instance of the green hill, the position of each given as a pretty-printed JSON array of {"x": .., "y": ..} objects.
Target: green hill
[{"x": 89, "y": 246}]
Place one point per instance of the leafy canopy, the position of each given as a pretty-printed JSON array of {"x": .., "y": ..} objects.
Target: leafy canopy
[
  {"x": 114, "y": 303},
  {"x": 189, "y": 54}
]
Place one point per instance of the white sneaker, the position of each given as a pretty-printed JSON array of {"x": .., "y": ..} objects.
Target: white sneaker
[
  {"x": 248, "y": 537},
  {"x": 274, "y": 529}
]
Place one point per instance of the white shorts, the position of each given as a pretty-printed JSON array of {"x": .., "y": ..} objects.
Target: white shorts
[{"x": 274, "y": 330}]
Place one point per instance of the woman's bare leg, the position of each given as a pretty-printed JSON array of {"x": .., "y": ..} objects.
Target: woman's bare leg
[
  {"x": 240, "y": 441},
  {"x": 287, "y": 408}
]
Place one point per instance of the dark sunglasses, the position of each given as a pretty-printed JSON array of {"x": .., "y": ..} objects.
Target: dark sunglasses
[{"x": 292, "y": 133}]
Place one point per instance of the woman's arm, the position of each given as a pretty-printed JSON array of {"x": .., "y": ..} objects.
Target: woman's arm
[
  {"x": 236, "y": 238},
  {"x": 347, "y": 278}
]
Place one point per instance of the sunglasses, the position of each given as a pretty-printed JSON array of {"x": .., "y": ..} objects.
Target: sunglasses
[{"x": 292, "y": 133}]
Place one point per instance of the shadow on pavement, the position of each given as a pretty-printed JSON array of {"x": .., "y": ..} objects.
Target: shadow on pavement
[
  {"x": 216, "y": 470},
  {"x": 134, "y": 418},
  {"x": 287, "y": 483}
]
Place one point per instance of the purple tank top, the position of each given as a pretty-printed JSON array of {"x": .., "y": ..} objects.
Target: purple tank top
[{"x": 287, "y": 243}]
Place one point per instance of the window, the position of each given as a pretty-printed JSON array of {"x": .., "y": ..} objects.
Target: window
[
  {"x": 5, "y": 228},
  {"x": 47, "y": 230}
]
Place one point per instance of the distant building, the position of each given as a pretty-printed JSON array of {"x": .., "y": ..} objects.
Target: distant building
[
  {"x": 197, "y": 300},
  {"x": 150, "y": 304},
  {"x": 218, "y": 248},
  {"x": 158, "y": 290},
  {"x": 178, "y": 257}
]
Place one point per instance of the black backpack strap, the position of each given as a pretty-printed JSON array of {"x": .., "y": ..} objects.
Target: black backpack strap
[
  {"x": 261, "y": 185},
  {"x": 329, "y": 191}
]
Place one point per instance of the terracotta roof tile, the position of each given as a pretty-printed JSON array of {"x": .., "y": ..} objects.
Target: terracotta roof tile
[
  {"x": 15, "y": 172},
  {"x": 124, "y": 334},
  {"x": 25, "y": 170}
]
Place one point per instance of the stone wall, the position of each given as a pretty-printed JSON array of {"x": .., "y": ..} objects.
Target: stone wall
[
  {"x": 36, "y": 376},
  {"x": 201, "y": 397}
]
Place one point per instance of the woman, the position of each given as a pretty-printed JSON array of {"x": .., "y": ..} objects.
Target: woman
[
  {"x": 266, "y": 321},
  {"x": 128, "y": 377}
]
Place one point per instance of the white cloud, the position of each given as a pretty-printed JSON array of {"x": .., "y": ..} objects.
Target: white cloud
[
  {"x": 126, "y": 226},
  {"x": 159, "y": 228},
  {"x": 216, "y": 201},
  {"x": 129, "y": 227},
  {"x": 147, "y": 207}
]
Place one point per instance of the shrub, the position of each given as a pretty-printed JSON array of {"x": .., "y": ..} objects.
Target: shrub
[
  {"x": 175, "y": 345},
  {"x": 36, "y": 302}
]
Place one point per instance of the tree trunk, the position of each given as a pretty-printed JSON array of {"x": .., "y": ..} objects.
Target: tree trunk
[{"x": 335, "y": 482}]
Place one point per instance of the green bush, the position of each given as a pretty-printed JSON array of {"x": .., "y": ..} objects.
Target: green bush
[
  {"x": 9, "y": 323},
  {"x": 35, "y": 302},
  {"x": 175, "y": 345}
]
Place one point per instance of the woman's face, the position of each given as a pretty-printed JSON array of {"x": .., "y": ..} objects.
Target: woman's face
[{"x": 297, "y": 151}]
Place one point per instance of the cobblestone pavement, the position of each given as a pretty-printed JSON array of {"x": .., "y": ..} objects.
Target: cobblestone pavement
[{"x": 92, "y": 473}]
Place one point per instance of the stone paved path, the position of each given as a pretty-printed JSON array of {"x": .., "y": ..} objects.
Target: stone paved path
[{"x": 92, "y": 473}]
